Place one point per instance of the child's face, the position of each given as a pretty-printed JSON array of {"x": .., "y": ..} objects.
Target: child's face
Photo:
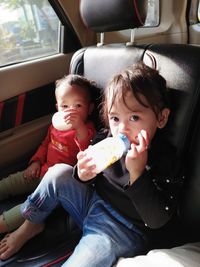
[
  {"x": 133, "y": 117},
  {"x": 74, "y": 98}
]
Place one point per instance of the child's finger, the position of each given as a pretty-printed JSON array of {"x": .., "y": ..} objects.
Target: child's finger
[
  {"x": 80, "y": 155},
  {"x": 142, "y": 143},
  {"x": 88, "y": 170},
  {"x": 133, "y": 153},
  {"x": 146, "y": 136},
  {"x": 84, "y": 162},
  {"x": 87, "y": 173},
  {"x": 70, "y": 116},
  {"x": 37, "y": 173}
]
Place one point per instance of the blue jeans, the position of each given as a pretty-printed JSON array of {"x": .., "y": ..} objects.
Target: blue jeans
[{"x": 107, "y": 235}]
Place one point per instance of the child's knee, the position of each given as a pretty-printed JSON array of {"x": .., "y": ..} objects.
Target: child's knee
[
  {"x": 58, "y": 174},
  {"x": 104, "y": 245},
  {"x": 86, "y": 250},
  {"x": 61, "y": 169}
]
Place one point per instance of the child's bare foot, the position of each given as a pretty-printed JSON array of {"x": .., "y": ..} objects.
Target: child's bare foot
[
  {"x": 3, "y": 226},
  {"x": 14, "y": 241}
]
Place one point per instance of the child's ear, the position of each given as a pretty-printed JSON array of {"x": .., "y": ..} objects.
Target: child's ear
[
  {"x": 91, "y": 108},
  {"x": 163, "y": 118}
]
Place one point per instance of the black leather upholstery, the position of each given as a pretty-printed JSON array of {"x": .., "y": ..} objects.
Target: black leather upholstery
[
  {"x": 179, "y": 64},
  {"x": 110, "y": 15},
  {"x": 190, "y": 204},
  {"x": 101, "y": 63}
]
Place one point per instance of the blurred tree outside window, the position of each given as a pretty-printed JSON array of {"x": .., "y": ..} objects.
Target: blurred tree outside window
[{"x": 29, "y": 29}]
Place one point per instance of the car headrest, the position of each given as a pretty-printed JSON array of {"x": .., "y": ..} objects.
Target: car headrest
[{"x": 111, "y": 15}]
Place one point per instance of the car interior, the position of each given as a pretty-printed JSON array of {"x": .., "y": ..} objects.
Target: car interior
[{"x": 105, "y": 37}]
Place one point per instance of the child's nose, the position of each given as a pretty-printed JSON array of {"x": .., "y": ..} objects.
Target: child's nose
[
  {"x": 123, "y": 127},
  {"x": 72, "y": 107}
]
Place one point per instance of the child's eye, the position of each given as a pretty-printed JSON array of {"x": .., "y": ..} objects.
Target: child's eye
[
  {"x": 65, "y": 106},
  {"x": 134, "y": 118},
  {"x": 115, "y": 119},
  {"x": 77, "y": 105}
]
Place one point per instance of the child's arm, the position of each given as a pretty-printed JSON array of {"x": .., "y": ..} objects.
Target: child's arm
[
  {"x": 156, "y": 191},
  {"x": 136, "y": 158},
  {"x": 78, "y": 124},
  {"x": 41, "y": 153},
  {"x": 85, "y": 131}
]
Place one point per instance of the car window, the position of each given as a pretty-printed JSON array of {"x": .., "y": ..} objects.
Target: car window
[
  {"x": 153, "y": 14},
  {"x": 194, "y": 12},
  {"x": 152, "y": 19},
  {"x": 198, "y": 13},
  {"x": 28, "y": 30}
]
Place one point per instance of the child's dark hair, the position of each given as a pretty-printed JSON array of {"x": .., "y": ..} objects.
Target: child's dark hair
[
  {"x": 75, "y": 79},
  {"x": 140, "y": 80}
]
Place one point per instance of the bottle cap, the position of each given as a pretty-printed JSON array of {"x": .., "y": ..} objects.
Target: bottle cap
[{"x": 126, "y": 141}]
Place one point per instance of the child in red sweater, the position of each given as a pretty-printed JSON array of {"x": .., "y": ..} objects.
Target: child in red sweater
[{"x": 75, "y": 102}]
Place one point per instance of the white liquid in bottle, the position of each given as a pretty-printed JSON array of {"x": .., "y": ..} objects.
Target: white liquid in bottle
[{"x": 108, "y": 151}]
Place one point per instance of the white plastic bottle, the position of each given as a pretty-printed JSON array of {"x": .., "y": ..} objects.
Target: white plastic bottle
[
  {"x": 59, "y": 122},
  {"x": 108, "y": 151}
]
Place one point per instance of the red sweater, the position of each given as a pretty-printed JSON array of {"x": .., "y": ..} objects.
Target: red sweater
[{"x": 61, "y": 147}]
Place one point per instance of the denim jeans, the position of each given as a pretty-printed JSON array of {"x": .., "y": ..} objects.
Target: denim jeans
[{"x": 107, "y": 235}]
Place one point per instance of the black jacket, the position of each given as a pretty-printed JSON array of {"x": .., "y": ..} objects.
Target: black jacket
[{"x": 152, "y": 199}]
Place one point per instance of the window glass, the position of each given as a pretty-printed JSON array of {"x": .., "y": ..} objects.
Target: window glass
[
  {"x": 194, "y": 12},
  {"x": 28, "y": 30},
  {"x": 152, "y": 19}
]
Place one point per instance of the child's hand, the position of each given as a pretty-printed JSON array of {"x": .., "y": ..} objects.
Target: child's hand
[
  {"x": 33, "y": 171},
  {"x": 73, "y": 117},
  {"x": 86, "y": 170},
  {"x": 136, "y": 158}
]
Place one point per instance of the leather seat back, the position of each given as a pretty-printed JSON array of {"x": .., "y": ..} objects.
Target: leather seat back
[{"x": 180, "y": 66}]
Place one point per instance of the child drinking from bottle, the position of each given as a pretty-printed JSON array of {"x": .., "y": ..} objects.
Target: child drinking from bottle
[
  {"x": 120, "y": 209},
  {"x": 73, "y": 96}
]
